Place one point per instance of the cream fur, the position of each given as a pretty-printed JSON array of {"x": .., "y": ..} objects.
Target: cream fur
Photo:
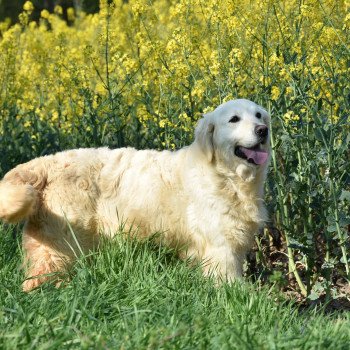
[{"x": 202, "y": 197}]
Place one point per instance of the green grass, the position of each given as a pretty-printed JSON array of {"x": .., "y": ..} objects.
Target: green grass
[{"x": 135, "y": 296}]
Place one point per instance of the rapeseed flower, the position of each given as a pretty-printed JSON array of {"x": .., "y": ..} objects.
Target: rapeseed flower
[
  {"x": 161, "y": 64},
  {"x": 28, "y": 6}
]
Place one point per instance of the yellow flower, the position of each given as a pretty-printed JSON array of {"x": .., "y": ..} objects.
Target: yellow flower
[
  {"x": 275, "y": 93},
  {"x": 55, "y": 116},
  {"x": 70, "y": 14},
  {"x": 174, "y": 59},
  {"x": 58, "y": 9},
  {"x": 28, "y": 6},
  {"x": 45, "y": 14},
  {"x": 289, "y": 90},
  {"x": 27, "y": 124}
]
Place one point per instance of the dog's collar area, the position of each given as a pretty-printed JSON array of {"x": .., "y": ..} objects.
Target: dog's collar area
[{"x": 253, "y": 155}]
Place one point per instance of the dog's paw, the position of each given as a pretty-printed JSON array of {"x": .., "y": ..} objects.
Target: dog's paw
[{"x": 33, "y": 283}]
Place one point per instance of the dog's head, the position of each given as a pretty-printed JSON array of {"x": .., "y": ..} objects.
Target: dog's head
[{"x": 236, "y": 134}]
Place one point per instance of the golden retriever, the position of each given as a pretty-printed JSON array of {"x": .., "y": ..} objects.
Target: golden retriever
[{"x": 207, "y": 197}]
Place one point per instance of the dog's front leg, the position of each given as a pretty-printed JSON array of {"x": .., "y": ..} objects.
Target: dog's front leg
[{"x": 223, "y": 263}]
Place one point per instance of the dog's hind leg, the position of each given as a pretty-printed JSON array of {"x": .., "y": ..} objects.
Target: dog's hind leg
[{"x": 43, "y": 260}]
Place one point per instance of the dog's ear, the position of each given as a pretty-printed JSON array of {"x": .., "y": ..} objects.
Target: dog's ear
[{"x": 204, "y": 137}]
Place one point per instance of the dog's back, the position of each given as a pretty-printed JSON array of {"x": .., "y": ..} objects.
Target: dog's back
[{"x": 95, "y": 190}]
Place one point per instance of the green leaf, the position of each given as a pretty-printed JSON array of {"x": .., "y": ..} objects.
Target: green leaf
[
  {"x": 343, "y": 261},
  {"x": 331, "y": 228},
  {"x": 312, "y": 296},
  {"x": 345, "y": 195},
  {"x": 293, "y": 243}
]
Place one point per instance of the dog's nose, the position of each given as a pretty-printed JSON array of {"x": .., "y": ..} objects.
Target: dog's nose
[{"x": 262, "y": 131}]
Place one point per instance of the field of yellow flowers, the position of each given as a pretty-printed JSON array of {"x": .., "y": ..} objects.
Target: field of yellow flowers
[{"x": 141, "y": 72}]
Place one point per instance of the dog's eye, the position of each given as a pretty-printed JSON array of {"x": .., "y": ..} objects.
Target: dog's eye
[
  {"x": 234, "y": 119},
  {"x": 258, "y": 115}
]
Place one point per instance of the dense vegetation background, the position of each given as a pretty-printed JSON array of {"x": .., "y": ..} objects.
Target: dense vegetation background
[
  {"x": 141, "y": 73},
  {"x": 11, "y": 9}
]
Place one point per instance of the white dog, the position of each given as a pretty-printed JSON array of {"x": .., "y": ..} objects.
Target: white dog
[{"x": 207, "y": 197}]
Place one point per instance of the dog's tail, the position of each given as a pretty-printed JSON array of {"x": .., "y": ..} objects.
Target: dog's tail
[
  {"x": 19, "y": 192},
  {"x": 17, "y": 202}
]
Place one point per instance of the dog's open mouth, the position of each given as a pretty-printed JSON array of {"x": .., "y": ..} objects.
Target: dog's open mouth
[{"x": 253, "y": 155}]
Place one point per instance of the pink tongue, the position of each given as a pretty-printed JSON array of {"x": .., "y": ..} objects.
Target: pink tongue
[{"x": 258, "y": 156}]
